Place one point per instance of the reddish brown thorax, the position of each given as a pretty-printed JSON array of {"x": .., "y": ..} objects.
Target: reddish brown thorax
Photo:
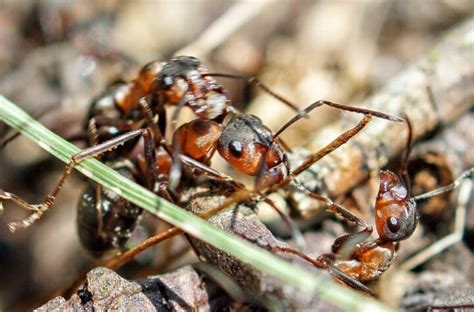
[
  {"x": 198, "y": 139},
  {"x": 180, "y": 80}
]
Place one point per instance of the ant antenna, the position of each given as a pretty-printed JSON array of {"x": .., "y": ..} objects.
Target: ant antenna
[
  {"x": 404, "y": 167},
  {"x": 254, "y": 81},
  {"x": 319, "y": 103},
  {"x": 468, "y": 173}
]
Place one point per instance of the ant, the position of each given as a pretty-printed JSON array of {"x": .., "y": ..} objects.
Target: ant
[
  {"x": 395, "y": 219},
  {"x": 115, "y": 123},
  {"x": 106, "y": 221}
]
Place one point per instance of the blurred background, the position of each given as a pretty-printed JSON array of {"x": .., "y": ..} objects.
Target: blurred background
[{"x": 55, "y": 56}]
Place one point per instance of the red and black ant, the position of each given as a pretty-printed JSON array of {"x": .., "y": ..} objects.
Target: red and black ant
[
  {"x": 355, "y": 259},
  {"x": 395, "y": 219}
]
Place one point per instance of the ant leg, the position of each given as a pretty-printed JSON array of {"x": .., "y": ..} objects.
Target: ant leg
[
  {"x": 339, "y": 210},
  {"x": 326, "y": 262},
  {"x": 285, "y": 146},
  {"x": 469, "y": 173},
  {"x": 93, "y": 151},
  {"x": 93, "y": 136},
  {"x": 348, "y": 280},
  {"x": 257, "y": 83},
  {"x": 151, "y": 175},
  {"x": 345, "y": 244},
  {"x": 152, "y": 123},
  {"x": 175, "y": 172},
  {"x": 161, "y": 112},
  {"x": 316, "y": 104},
  {"x": 294, "y": 230},
  {"x": 208, "y": 171},
  {"x": 133, "y": 252},
  {"x": 336, "y": 143},
  {"x": 447, "y": 307},
  {"x": 404, "y": 167},
  {"x": 120, "y": 124}
]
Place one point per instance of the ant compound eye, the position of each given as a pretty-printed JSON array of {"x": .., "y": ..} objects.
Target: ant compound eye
[
  {"x": 236, "y": 148},
  {"x": 393, "y": 224}
]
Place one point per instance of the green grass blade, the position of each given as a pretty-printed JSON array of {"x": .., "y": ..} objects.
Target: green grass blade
[{"x": 235, "y": 246}]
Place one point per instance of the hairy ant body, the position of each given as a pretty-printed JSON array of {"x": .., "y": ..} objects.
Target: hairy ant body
[{"x": 395, "y": 219}]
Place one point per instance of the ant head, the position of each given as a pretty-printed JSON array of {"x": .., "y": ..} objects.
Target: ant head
[
  {"x": 247, "y": 144},
  {"x": 180, "y": 75},
  {"x": 395, "y": 212}
]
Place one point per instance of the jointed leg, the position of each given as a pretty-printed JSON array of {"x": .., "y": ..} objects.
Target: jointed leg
[
  {"x": 295, "y": 231},
  {"x": 336, "y": 143},
  {"x": 316, "y": 104},
  {"x": 133, "y": 252},
  {"x": 344, "y": 245},
  {"x": 158, "y": 133},
  {"x": 175, "y": 172},
  {"x": 41, "y": 208},
  {"x": 326, "y": 262},
  {"x": 93, "y": 136}
]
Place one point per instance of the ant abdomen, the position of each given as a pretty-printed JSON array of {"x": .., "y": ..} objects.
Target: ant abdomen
[{"x": 110, "y": 225}]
